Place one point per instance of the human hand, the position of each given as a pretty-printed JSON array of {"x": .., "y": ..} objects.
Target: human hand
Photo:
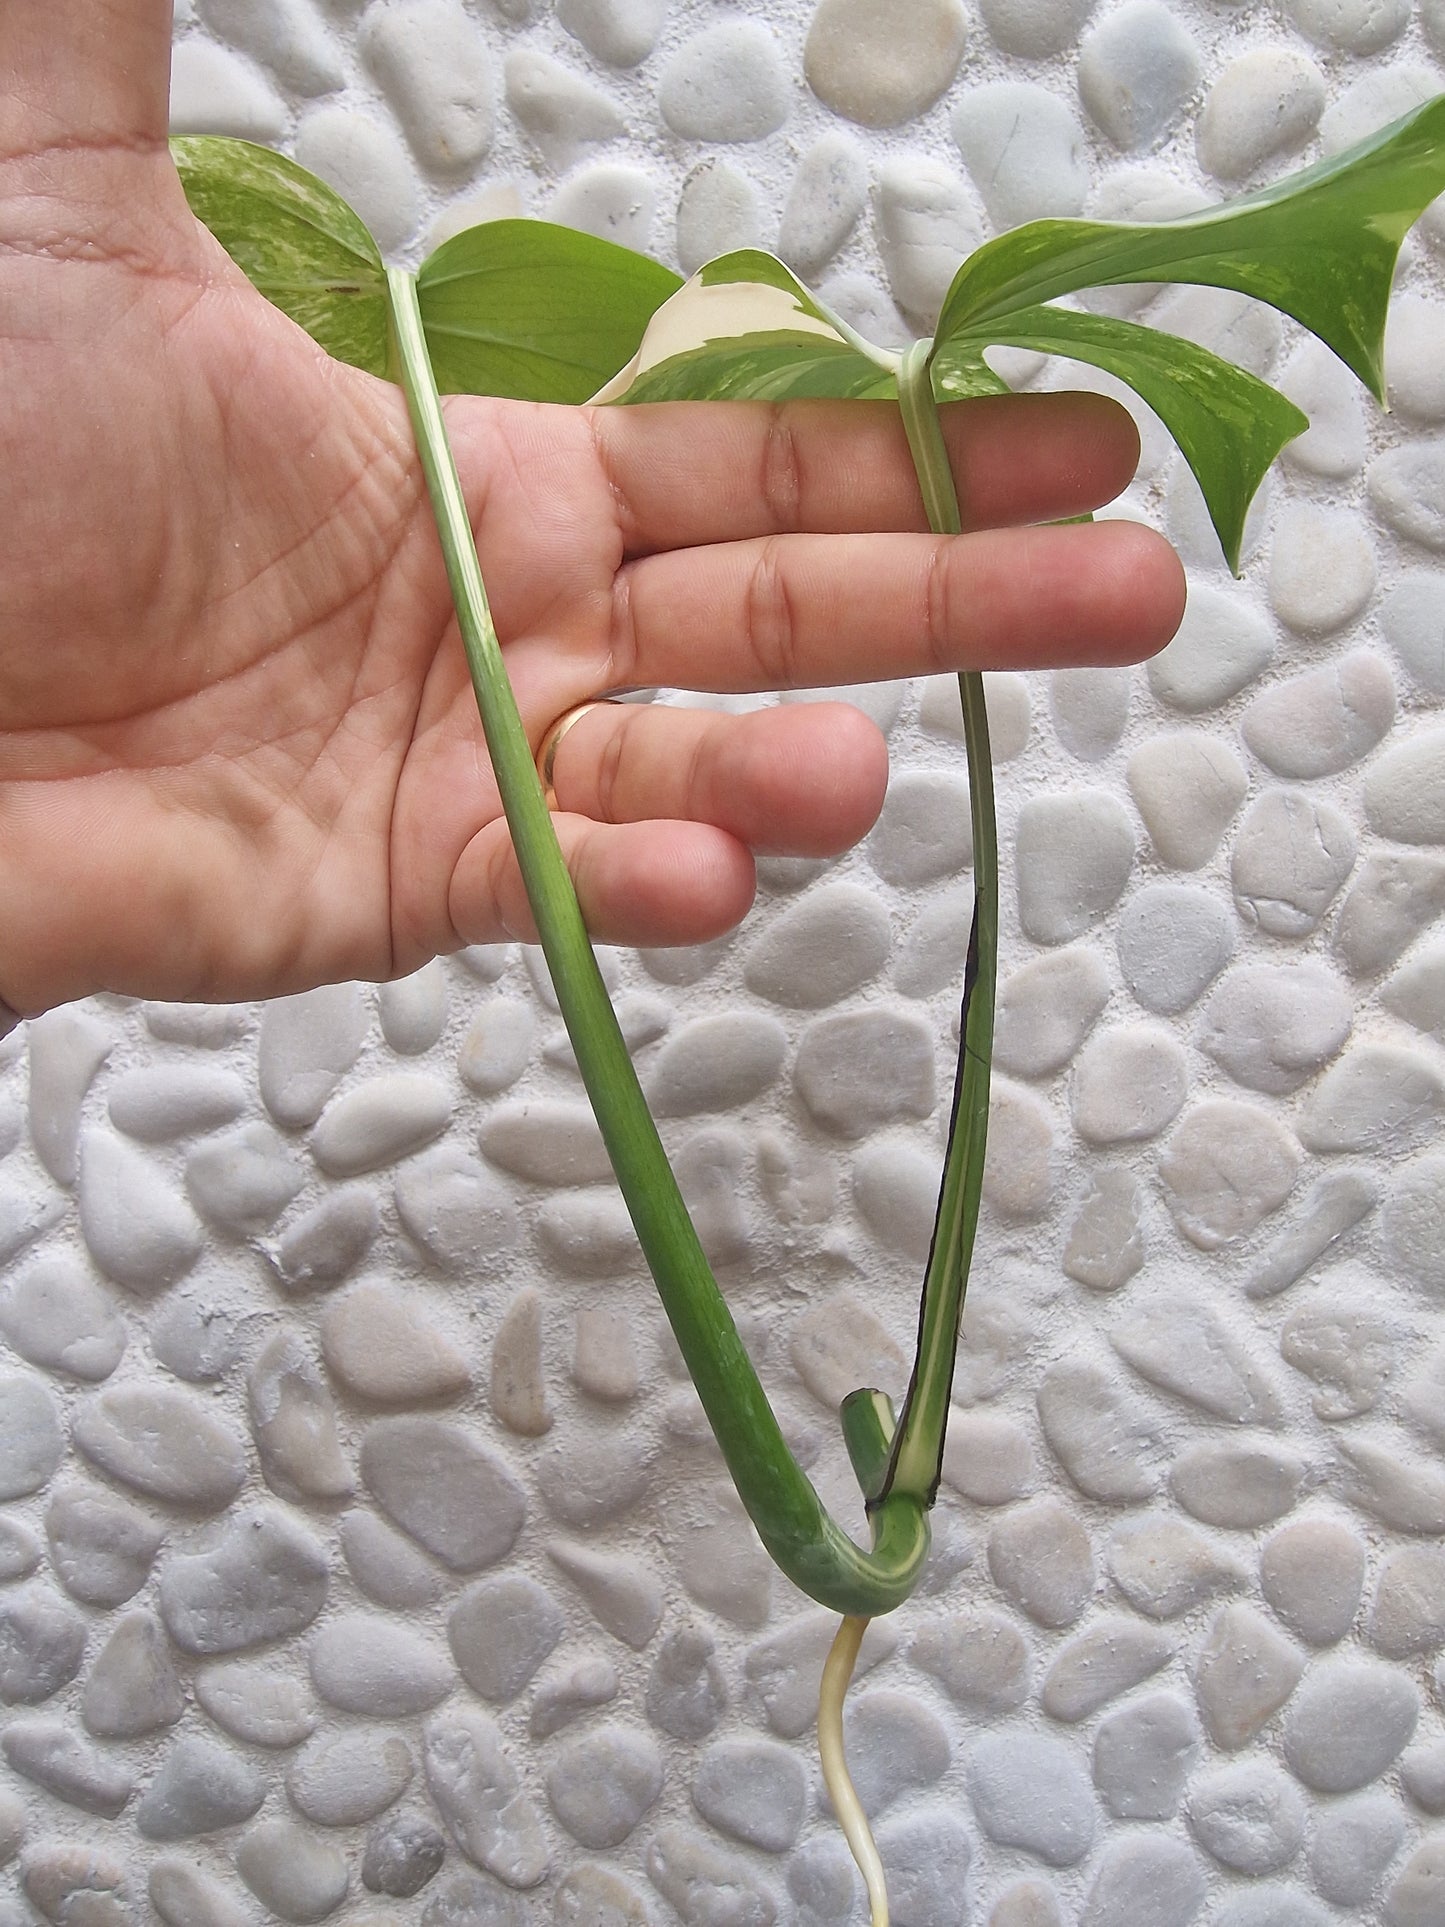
[{"x": 239, "y": 752}]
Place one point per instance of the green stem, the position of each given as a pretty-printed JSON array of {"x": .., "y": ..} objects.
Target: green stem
[
  {"x": 791, "y": 1520},
  {"x": 917, "y": 1454}
]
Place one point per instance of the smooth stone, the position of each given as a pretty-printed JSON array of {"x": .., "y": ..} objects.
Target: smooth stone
[
  {"x": 1024, "y": 150},
  {"x": 264, "y": 1577},
  {"x": 433, "y": 65},
  {"x": 1415, "y": 346},
  {"x": 592, "y": 1477},
  {"x": 1137, "y": 70},
  {"x": 1349, "y": 1355},
  {"x": 1248, "y": 1817},
  {"x": 212, "y": 92},
  {"x": 1334, "y": 445},
  {"x": 517, "y": 1386},
  {"x": 1292, "y": 854},
  {"x": 1415, "y": 1893},
  {"x": 385, "y": 1565},
  {"x": 20, "y": 1550},
  {"x": 1143, "y": 1878},
  {"x": 254, "y": 1703},
  {"x": 1404, "y": 789},
  {"x": 65, "y": 1048},
  {"x": 200, "y": 1026},
  {"x": 1143, "y": 1754},
  {"x": 455, "y": 1209},
  {"x": 1412, "y": 623},
  {"x": 1406, "y": 489},
  {"x": 719, "y": 1558},
  {"x": 1401, "y": 1491},
  {"x": 497, "y": 1046},
  {"x": 710, "y": 1168},
  {"x": 988, "y": 1458},
  {"x": 452, "y": 1494},
  {"x": 923, "y": 833},
  {"x": 1378, "y": 1097},
  {"x": 1102, "y": 1434},
  {"x": 927, "y": 1853},
  {"x": 478, "y": 1793},
  {"x": 500, "y": 1631},
  {"x": 1173, "y": 941},
  {"x": 49, "y": 1753},
  {"x": 1018, "y": 1172},
  {"x": 702, "y": 1883},
  {"x": 402, "y": 1854},
  {"x": 1030, "y": 28},
  {"x": 623, "y": 1595},
  {"x": 293, "y": 1422},
  {"x": 306, "y": 1045},
  {"x": 1393, "y": 898},
  {"x": 1244, "y": 1673},
  {"x": 1164, "y": 1568},
  {"x": 242, "y": 1182},
  {"x": 998, "y": 1334},
  {"x": 101, "y": 1548},
  {"x": 859, "y": 1070},
  {"x": 980, "y": 1659},
  {"x": 42, "y": 1640},
  {"x": 716, "y": 1063},
  {"x": 1006, "y": 699},
  {"x": 344, "y": 1779},
  {"x": 1422, "y": 1774},
  {"x": 1416, "y": 992},
  {"x": 1046, "y": 1008},
  {"x": 298, "y": 1875},
  {"x": 382, "y": 1345},
  {"x": 131, "y": 1688},
  {"x": 1351, "y": 26},
  {"x": 1074, "y": 853},
  {"x": 1271, "y": 1027},
  {"x": 1032, "y": 1792},
  {"x": 1333, "y": 1205},
  {"x": 1185, "y": 1347},
  {"x": 935, "y": 943},
  {"x": 467, "y": 1900},
  {"x": 547, "y": 1142},
  {"x": 601, "y": 1783},
  {"x": 687, "y": 964},
  {"x": 564, "y": 1696},
  {"x": 1130, "y": 1082},
  {"x": 1090, "y": 706},
  {"x": 137, "y": 1227},
  {"x": 839, "y": 1345},
  {"x": 1312, "y": 1573},
  {"x": 1041, "y": 1561},
  {"x": 200, "y": 1788},
  {"x": 159, "y": 1102},
  {"x": 784, "y": 1669},
  {"x": 367, "y": 1664},
  {"x": 881, "y": 66},
  {"x": 283, "y": 36},
  {"x": 25, "y": 1212},
  {"x": 830, "y": 943},
  {"x": 70, "y": 1881},
  {"x": 163, "y": 1443},
  {"x": 326, "y": 1243},
  {"x": 1407, "y": 1615},
  {"x": 686, "y": 1692},
  {"x": 559, "y": 108},
  {"x": 1108, "y": 1658},
  {"x": 823, "y": 1882},
  {"x": 1322, "y": 569},
  {"x": 32, "y": 1443},
  {"x": 1264, "y": 105},
  {"x": 926, "y": 224},
  {"x": 1414, "y": 1214},
  {"x": 1348, "y": 1723},
  {"x": 718, "y": 211},
  {"x": 379, "y": 1121},
  {"x": 604, "y": 1358},
  {"x": 727, "y": 82},
  {"x": 1187, "y": 789},
  {"x": 183, "y": 1896},
  {"x": 825, "y": 202},
  {"x": 1105, "y": 1244},
  {"x": 895, "y": 1747},
  {"x": 620, "y": 33},
  {"x": 1319, "y": 723},
  {"x": 196, "y": 1337},
  {"x": 1237, "y": 1483},
  {"x": 1225, "y": 1168},
  {"x": 1352, "y": 1843},
  {"x": 1423, "y": 1399},
  {"x": 1221, "y": 645}
]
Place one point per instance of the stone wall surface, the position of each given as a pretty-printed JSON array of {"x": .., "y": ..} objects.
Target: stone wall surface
[{"x": 363, "y": 1555}]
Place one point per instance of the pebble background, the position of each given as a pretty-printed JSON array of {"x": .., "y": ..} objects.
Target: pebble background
[{"x": 363, "y": 1554}]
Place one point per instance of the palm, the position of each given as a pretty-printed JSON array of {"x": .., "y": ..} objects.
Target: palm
[{"x": 238, "y": 750}]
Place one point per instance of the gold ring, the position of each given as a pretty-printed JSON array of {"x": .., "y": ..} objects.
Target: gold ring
[{"x": 547, "y": 748}]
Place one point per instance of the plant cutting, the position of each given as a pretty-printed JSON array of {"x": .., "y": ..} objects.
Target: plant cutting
[{"x": 523, "y": 309}]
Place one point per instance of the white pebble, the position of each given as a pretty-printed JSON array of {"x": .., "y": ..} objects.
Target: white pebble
[
  {"x": 1105, "y": 1244},
  {"x": 1018, "y": 1172},
  {"x": 158, "y": 1102},
  {"x": 558, "y": 108},
  {"x": 1226, "y": 1167},
  {"x": 620, "y": 32},
  {"x": 1379, "y": 1097},
  {"x": 1320, "y": 722},
  {"x": 1137, "y": 69},
  {"x": 213, "y": 92},
  {"x": 162, "y": 1442},
  {"x": 1349, "y": 1721},
  {"x": 136, "y": 1225},
  {"x": 1404, "y": 792},
  {"x": 1046, "y": 1008},
  {"x": 1351, "y": 26},
  {"x": 1105, "y": 1437},
  {"x": 1114, "y": 1653},
  {"x": 1221, "y": 645},
  {"x": 880, "y": 62},
  {"x": 1322, "y": 569},
  {"x": 1090, "y": 709},
  {"x": 1187, "y": 786},
  {"x": 726, "y": 83},
  {"x": 825, "y": 202},
  {"x": 831, "y": 942},
  {"x": 1412, "y": 621},
  {"x": 1074, "y": 852},
  {"x": 1032, "y": 1791},
  {"x": 1033, "y": 27},
  {"x": 1416, "y": 991},
  {"x": 1130, "y": 1083},
  {"x": 56, "y": 1316},
  {"x": 1174, "y": 939},
  {"x": 497, "y": 1046},
  {"x": 66, "y": 1048},
  {"x": 1248, "y": 1817},
  {"x": 624, "y": 1596},
  {"x": 1245, "y": 1672},
  {"x": 1166, "y": 1568},
  {"x": 1272, "y": 1026},
  {"x": 291, "y": 1870},
  {"x": 1312, "y": 1572},
  {"x": 285, "y": 34},
  {"x": 1407, "y": 490},
  {"x": 926, "y": 225},
  {"x": 434, "y": 68},
  {"x": 379, "y": 1121},
  {"x": 459, "y": 1213},
  {"x": 368, "y": 165},
  {"x": 1265, "y": 104},
  {"x": 307, "y": 1044},
  {"x": 414, "y": 1009},
  {"x": 718, "y": 210},
  {"x": 1292, "y": 854},
  {"x": 1024, "y": 150},
  {"x": 1239, "y": 1485},
  {"x": 381, "y": 1343},
  {"x": 1334, "y": 445},
  {"x": 1392, "y": 1485}
]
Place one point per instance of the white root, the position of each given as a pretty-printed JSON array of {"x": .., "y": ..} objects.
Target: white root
[{"x": 837, "y": 1672}]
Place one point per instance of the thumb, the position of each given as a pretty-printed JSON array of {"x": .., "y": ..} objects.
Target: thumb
[{"x": 83, "y": 72}]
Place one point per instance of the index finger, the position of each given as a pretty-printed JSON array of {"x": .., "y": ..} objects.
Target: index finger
[{"x": 687, "y": 473}]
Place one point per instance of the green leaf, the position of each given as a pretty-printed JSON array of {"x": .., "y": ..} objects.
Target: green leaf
[
  {"x": 1229, "y": 424},
  {"x": 295, "y": 239},
  {"x": 1319, "y": 245},
  {"x": 746, "y": 329},
  {"x": 535, "y": 311}
]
